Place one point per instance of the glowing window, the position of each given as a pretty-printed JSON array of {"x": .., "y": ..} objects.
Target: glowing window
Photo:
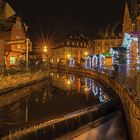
[
  {"x": 51, "y": 60},
  {"x": 18, "y": 46},
  {"x": 12, "y": 60},
  {"x": 77, "y": 43},
  {"x": 68, "y": 43},
  {"x": 72, "y": 43},
  {"x": 57, "y": 60}
]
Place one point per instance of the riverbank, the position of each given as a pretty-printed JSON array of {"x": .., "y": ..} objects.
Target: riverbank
[{"x": 11, "y": 82}]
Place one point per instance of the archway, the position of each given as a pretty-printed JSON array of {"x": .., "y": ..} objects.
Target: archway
[
  {"x": 102, "y": 60},
  {"x": 88, "y": 62},
  {"x": 94, "y": 61}
]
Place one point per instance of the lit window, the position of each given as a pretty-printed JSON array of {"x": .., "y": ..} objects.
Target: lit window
[
  {"x": 51, "y": 74},
  {"x": 72, "y": 43},
  {"x": 77, "y": 43},
  {"x": 81, "y": 44},
  {"x": 51, "y": 60},
  {"x": 57, "y": 60},
  {"x": 18, "y": 37},
  {"x": 18, "y": 46},
  {"x": 68, "y": 43},
  {"x": 12, "y": 60}
]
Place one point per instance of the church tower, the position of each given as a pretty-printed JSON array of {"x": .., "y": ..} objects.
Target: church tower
[
  {"x": 134, "y": 9},
  {"x": 127, "y": 21}
]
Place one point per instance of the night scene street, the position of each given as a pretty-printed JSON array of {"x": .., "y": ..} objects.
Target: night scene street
[{"x": 69, "y": 70}]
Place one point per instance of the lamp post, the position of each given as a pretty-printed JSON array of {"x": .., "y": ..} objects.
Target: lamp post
[{"x": 27, "y": 52}]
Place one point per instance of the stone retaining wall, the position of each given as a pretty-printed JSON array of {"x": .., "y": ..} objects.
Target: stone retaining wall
[{"x": 18, "y": 80}]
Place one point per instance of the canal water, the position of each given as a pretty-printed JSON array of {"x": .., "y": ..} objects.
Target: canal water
[{"x": 60, "y": 95}]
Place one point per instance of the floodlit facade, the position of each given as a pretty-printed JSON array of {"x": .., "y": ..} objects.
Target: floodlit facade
[
  {"x": 72, "y": 50},
  {"x": 104, "y": 45}
]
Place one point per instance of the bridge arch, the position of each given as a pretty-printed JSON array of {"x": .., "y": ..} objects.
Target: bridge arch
[
  {"x": 102, "y": 60},
  {"x": 88, "y": 62},
  {"x": 94, "y": 61}
]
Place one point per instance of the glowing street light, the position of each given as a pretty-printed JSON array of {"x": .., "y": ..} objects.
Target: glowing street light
[
  {"x": 68, "y": 82},
  {"x": 86, "y": 53},
  {"x": 45, "y": 49},
  {"x": 68, "y": 56}
]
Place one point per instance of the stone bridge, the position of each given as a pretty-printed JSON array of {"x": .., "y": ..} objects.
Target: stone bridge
[{"x": 130, "y": 101}]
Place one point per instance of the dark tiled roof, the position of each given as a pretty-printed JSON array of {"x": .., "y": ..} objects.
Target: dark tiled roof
[{"x": 6, "y": 25}]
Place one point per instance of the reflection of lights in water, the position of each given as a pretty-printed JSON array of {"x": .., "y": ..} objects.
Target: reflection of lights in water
[
  {"x": 103, "y": 97},
  {"x": 88, "y": 83},
  {"x": 94, "y": 89},
  {"x": 86, "y": 89}
]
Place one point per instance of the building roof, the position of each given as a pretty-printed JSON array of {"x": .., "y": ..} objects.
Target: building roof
[
  {"x": 74, "y": 35},
  {"x": 6, "y": 25},
  {"x": 7, "y": 16}
]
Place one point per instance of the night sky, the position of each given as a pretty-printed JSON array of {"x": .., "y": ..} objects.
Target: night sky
[{"x": 54, "y": 17}]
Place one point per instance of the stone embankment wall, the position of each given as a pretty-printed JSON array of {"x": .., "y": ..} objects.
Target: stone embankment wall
[
  {"x": 130, "y": 101},
  {"x": 10, "y": 82}
]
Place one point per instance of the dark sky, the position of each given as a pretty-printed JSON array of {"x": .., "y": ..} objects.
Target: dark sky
[{"x": 53, "y": 17}]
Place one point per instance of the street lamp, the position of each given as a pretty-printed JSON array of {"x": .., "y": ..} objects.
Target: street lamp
[
  {"x": 45, "y": 49},
  {"x": 86, "y": 53},
  {"x": 68, "y": 56},
  {"x": 44, "y": 54}
]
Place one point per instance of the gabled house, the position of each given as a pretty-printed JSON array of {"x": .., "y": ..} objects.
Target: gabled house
[{"x": 13, "y": 31}]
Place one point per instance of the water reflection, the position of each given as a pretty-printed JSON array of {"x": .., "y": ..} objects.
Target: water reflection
[
  {"x": 62, "y": 94},
  {"x": 81, "y": 85}
]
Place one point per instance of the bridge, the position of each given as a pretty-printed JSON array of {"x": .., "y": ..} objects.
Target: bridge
[
  {"x": 121, "y": 84},
  {"x": 124, "y": 86}
]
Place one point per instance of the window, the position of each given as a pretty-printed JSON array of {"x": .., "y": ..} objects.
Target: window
[
  {"x": 18, "y": 37},
  {"x": 12, "y": 60},
  {"x": 19, "y": 46},
  {"x": 77, "y": 43},
  {"x": 51, "y": 60},
  {"x": 57, "y": 60},
  {"x": 68, "y": 43},
  {"x": 72, "y": 43}
]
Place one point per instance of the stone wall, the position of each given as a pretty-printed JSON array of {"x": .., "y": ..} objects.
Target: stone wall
[{"x": 18, "y": 80}]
